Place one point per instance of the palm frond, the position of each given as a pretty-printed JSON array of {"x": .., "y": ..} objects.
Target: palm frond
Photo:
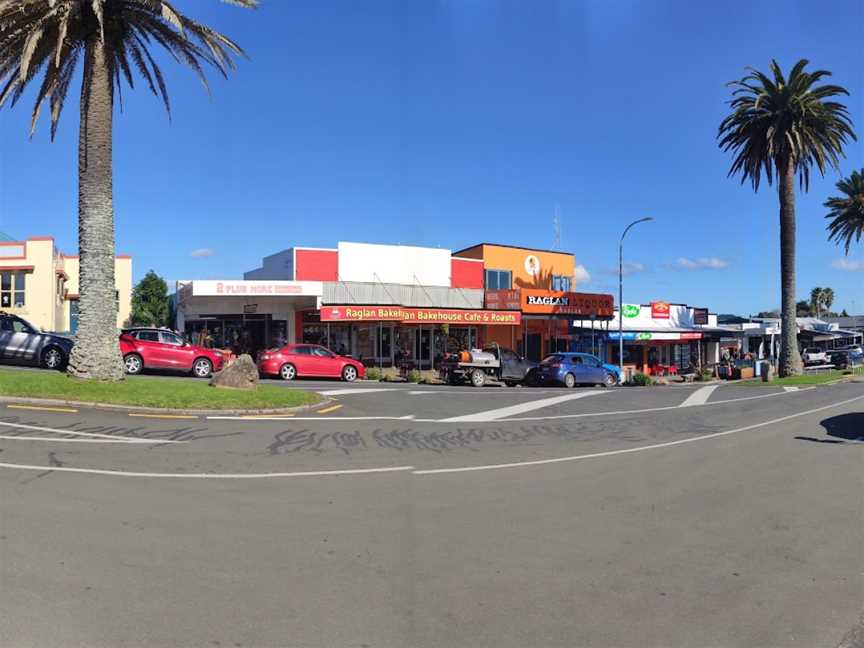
[
  {"x": 846, "y": 213},
  {"x": 47, "y": 37},
  {"x": 778, "y": 120}
]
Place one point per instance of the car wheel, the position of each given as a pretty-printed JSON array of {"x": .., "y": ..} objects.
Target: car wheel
[
  {"x": 202, "y": 368},
  {"x": 478, "y": 378},
  {"x": 287, "y": 372},
  {"x": 610, "y": 381},
  {"x": 53, "y": 358},
  {"x": 349, "y": 373},
  {"x": 134, "y": 364},
  {"x": 569, "y": 381}
]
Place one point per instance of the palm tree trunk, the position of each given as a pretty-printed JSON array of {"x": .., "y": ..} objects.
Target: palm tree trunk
[
  {"x": 96, "y": 353},
  {"x": 790, "y": 357}
]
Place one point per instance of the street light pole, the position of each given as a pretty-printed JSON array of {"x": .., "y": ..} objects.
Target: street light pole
[{"x": 621, "y": 295}]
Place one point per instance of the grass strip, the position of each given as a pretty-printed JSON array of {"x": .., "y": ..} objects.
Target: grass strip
[
  {"x": 807, "y": 379},
  {"x": 139, "y": 391}
]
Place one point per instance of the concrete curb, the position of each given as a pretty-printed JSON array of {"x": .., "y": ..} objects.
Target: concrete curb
[{"x": 110, "y": 407}]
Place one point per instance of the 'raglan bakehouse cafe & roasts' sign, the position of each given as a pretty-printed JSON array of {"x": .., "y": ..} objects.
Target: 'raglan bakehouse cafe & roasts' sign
[{"x": 419, "y": 315}]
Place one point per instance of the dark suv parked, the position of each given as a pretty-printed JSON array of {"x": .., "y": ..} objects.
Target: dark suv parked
[{"x": 22, "y": 343}]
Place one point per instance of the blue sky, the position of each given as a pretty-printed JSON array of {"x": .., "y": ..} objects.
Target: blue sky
[{"x": 450, "y": 122}]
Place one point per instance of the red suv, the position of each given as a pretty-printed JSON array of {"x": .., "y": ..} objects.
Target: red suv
[
  {"x": 308, "y": 361},
  {"x": 154, "y": 348}
]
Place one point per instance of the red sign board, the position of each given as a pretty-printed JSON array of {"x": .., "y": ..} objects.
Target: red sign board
[
  {"x": 420, "y": 315},
  {"x": 659, "y": 310},
  {"x": 551, "y": 302},
  {"x": 503, "y": 300}
]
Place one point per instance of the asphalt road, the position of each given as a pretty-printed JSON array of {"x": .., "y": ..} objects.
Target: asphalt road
[{"x": 437, "y": 517}]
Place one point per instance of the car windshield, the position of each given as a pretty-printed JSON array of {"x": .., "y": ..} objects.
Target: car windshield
[{"x": 552, "y": 359}]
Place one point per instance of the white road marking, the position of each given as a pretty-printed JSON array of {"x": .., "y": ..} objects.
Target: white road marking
[
  {"x": 504, "y": 412},
  {"x": 7, "y": 437},
  {"x": 327, "y": 419},
  {"x": 647, "y": 409},
  {"x": 359, "y": 390},
  {"x": 93, "y": 435},
  {"x": 653, "y": 446},
  {"x": 699, "y": 397},
  {"x": 122, "y": 473},
  {"x": 435, "y": 471},
  {"x": 790, "y": 389},
  {"x": 522, "y": 418},
  {"x": 425, "y": 393}
]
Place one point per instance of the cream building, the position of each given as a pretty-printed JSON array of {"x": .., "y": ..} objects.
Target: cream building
[{"x": 40, "y": 284}]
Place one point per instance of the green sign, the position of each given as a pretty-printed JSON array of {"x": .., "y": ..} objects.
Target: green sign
[
  {"x": 631, "y": 310},
  {"x": 643, "y": 336}
]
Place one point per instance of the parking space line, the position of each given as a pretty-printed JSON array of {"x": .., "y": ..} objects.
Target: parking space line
[
  {"x": 9, "y": 437},
  {"x": 327, "y": 410},
  {"x": 91, "y": 435},
  {"x": 504, "y": 412},
  {"x": 699, "y": 397},
  {"x": 37, "y": 408},
  {"x": 647, "y": 409},
  {"x": 162, "y": 416},
  {"x": 360, "y": 390},
  {"x": 653, "y": 446}
]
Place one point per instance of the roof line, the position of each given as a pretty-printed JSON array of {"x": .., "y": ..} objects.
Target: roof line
[{"x": 512, "y": 247}]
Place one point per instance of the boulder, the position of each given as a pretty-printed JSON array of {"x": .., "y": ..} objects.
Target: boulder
[{"x": 240, "y": 374}]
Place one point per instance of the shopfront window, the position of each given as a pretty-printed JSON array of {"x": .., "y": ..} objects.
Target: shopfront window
[
  {"x": 237, "y": 333},
  {"x": 340, "y": 339},
  {"x": 632, "y": 354},
  {"x": 366, "y": 339}
]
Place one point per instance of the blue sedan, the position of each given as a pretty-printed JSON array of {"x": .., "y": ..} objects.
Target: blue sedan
[{"x": 571, "y": 369}]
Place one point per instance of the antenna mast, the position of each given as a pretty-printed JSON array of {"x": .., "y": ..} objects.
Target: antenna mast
[{"x": 556, "y": 230}]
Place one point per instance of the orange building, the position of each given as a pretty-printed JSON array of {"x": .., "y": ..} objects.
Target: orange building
[{"x": 542, "y": 285}]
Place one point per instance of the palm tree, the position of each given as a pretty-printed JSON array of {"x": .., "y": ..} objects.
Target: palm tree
[
  {"x": 47, "y": 39},
  {"x": 827, "y": 299},
  {"x": 783, "y": 126},
  {"x": 847, "y": 213},
  {"x": 816, "y": 298}
]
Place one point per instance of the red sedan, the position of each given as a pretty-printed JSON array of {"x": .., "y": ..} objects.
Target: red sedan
[
  {"x": 308, "y": 360},
  {"x": 153, "y": 348}
]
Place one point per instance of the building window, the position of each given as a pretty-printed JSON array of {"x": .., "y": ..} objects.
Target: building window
[
  {"x": 12, "y": 289},
  {"x": 561, "y": 283},
  {"x": 499, "y": 280}
]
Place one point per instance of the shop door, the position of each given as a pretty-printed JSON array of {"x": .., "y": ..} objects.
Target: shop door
[
  {"x": 535, "y": 347},
  {"x": 424, "y": 339}
]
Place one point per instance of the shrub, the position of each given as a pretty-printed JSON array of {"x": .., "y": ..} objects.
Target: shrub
[
  {"x": 642, "y": 380},
  {"x": 704, "y": 376},
  {"x": 373, "y": 373},
  {"x": 414, "y": 376}
]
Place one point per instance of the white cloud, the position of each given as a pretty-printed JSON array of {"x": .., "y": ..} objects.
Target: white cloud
[
  {"x": 849, "y": 266},
  {"x": 582, "y": 275},
  {"x": 201, "y": 253},
  {"x": 631, "y": 268},
  {"x": 702, "y": 263}
]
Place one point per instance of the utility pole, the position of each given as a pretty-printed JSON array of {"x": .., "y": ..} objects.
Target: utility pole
[{"x": 621, "y": 295}]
